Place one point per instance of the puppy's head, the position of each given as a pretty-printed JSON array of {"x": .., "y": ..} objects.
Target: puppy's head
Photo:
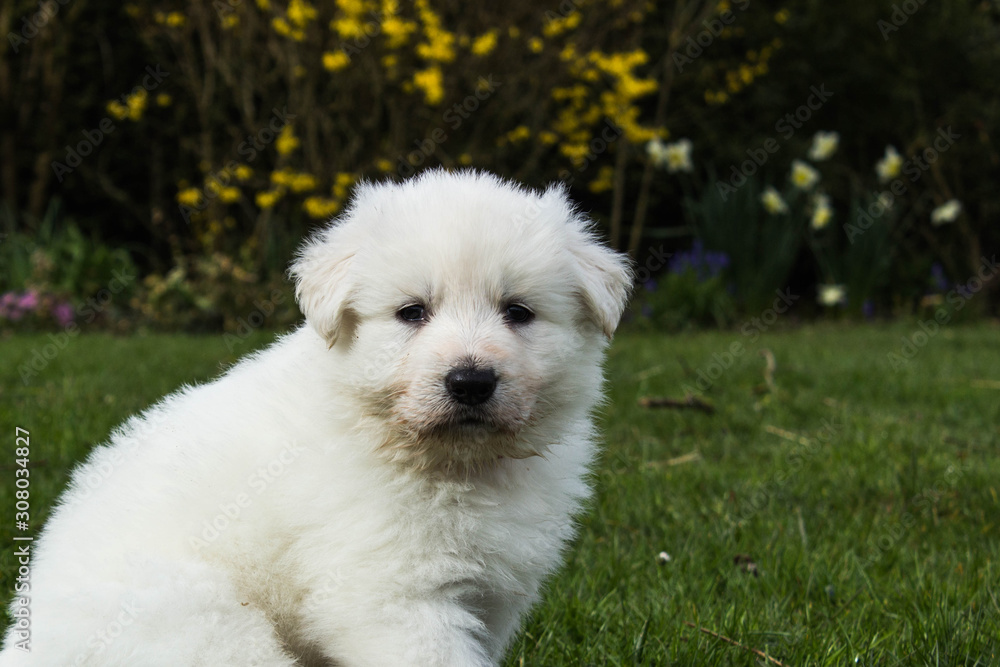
[{"x": 470, "y": 314}]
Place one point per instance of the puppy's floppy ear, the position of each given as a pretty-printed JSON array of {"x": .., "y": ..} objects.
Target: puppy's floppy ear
[
  {"x": 604, "y": 276},
  {"x": 323, "y": 280},
  {"x": 605, "y": 280}
]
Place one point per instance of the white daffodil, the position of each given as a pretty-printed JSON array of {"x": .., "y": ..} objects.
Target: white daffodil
[
  {"x": 822, "y": 212},
  {"x": 889, "y": 166},
  {"x": 657, "y": 152},
  {"x": 946, "y": 212},
  {"x": 803, "y": 175},
  {"x": 823, "y": 146},
  {"x": 679, "y": 156},
  {"x": 772, "y": 201},
  {"x": 831, "y": 295}
]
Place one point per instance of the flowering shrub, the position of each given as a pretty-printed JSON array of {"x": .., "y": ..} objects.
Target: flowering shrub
[
  {"x": 338, "y": 91},
  {"x": 228, "y": 129},
  {"x": 761, "y": 227},
  {"x": 692, "y": 292},
  {"x": 210, "y": 294},
  {"x": 33, "y": 310}
]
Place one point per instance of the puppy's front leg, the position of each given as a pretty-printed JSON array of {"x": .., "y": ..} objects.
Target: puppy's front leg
[{"x": 407, "y": 633}]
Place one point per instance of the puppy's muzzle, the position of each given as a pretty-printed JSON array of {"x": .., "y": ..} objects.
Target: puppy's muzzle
[{"x": 471, "y": 386}]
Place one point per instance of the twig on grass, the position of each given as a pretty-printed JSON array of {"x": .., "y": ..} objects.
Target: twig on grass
[
  {"x": 690, "y": 457},
  {"x": 689, "y": 401},
  {"x": 770, "y": 365},
  {"x": 787, "y": 435},
  {"x": 735, "y": 643},
  {"x": 985, "y": 384}
]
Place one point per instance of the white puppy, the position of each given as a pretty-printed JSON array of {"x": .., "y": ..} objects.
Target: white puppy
[{"x": 388, "y": 486}]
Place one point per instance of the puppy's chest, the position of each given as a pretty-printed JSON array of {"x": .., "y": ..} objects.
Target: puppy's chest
[{"x": 488, "y": 530}]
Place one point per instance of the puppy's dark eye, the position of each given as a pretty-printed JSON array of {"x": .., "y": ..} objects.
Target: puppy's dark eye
[
  {"x": 518, "y": 314},
  {"x": 412, "y": 313}
]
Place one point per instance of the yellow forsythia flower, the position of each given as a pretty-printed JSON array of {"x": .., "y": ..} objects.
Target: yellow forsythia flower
[
  {"x": 430, "y": 81},
  {"x": 189, "y": 197},
  {"x": 268, "y": 198},
  {"x": 302, "y": 182},
  {"x": 485, "y": 43},
  {"x": 397, "y": 31},
  {"x": 229, "y": 195},
  {"x": 300, "y": 12},
  {"x": 604, "y": 180},
  {"x": 535, "y": 45},
  {"x": 286, "y": 141},
  {"x": 519, "y": 133},
  {"x": 336, "y": 60},
  {"x": 137, "y": 103},
  {"x": 242, "y": 173},
  {"x": 175, "y": 19},
  {"x": 548, "y": 138},
  {"x": 320, "y": 207},
  {"x": 344, "y": 180},
  {"x": 117, "y": 109}
]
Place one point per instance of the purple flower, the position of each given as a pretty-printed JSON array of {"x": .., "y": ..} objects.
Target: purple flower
[
  {"x": 649, "y": 285},
  {"x": 938, "y": 277},
  {"x": 868, "y": 309},
  {"x": 704, "y": 264},
  {"x": 63, "y": 312},
  {"x": 29, "y": 300},
  {"x": 8, "y": 299}
]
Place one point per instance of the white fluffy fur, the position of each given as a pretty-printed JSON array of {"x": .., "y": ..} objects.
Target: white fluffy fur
[{"x": 320, "y": 504}]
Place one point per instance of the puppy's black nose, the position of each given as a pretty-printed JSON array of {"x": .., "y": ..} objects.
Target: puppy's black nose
[{"x": 471, "y": 386}]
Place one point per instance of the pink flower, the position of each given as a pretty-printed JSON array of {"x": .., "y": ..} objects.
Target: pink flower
[
  {"x": 63, "y": 312},
  {"x": 29, "y": 300},
  {"x": 8, "y": 300}
]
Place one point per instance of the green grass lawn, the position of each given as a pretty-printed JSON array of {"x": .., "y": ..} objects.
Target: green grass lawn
[{"x": 847, "y": 513}]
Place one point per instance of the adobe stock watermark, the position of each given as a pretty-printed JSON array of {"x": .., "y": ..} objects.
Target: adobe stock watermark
[
  {"x": 42, "y": 356},
  {"x": 102, "y": 639},
  {"x": 139, "y": 430},
  {"x": 713, "y": 27},
  {"x": 721, "y": 363},
  {"x": 931, "y": 327},
  {"x": 258, "y": 481},
  {"x": 786, "y": 128},
  {"x": 93, "y": 138},
  {"x": 610, "y": 133},
  {"x": 454, "y": 117},
  {"x": 762, "y": 493},
  {"x": 332, "y": 582},
  {"x": 32, "y": 24},
  {"x": 370, "y": 29},
  {"x": 901, "y": 13},
  {"x": 888, "y": 539},
  {"x": 251, "y": 146},
  {"x": 914, "y": 168},
  {"x": 254, "y": 320}
]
